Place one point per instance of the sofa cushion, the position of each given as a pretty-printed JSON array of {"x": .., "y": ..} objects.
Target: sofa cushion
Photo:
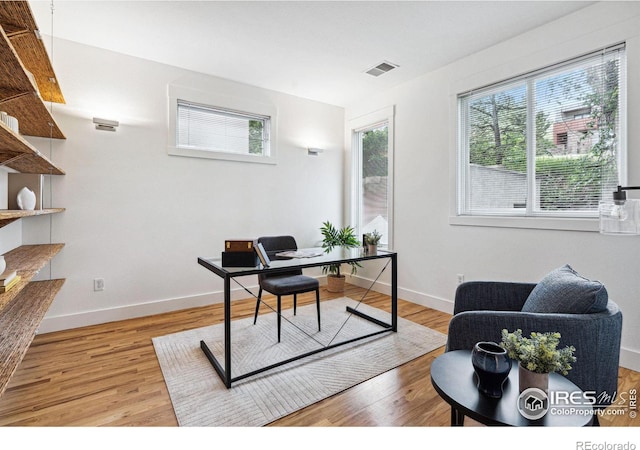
[{"x": 563, "y": 290}]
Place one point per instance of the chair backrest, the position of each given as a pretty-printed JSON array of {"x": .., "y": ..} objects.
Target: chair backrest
[{"x": 277, "y": 244}]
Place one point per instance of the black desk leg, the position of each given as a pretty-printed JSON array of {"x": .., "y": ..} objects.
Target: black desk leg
[
  {"x": 457, "y": 418},
  {"x": 227, "y": 331},
  {"x": 394, "y": 292}
]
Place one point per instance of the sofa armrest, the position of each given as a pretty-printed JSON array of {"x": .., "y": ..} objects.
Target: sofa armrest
[{"x": 491, "y": 295}]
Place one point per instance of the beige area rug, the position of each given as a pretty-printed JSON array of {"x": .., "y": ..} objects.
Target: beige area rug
[{"x": 200, "y": 398}]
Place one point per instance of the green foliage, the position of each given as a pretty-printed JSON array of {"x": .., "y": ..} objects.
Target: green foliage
[
  {"x": 375, "y": 146},
  {"x": 256, "y": 140},
  {"x": 372, "y": 238},
  {"x": 543, "y": 143},
  {"x": 539, "y": 353},
  {"x": 568, "y": 182},
  {"x": 498, "y": 129},
  {"x": 334, "y": 237}
]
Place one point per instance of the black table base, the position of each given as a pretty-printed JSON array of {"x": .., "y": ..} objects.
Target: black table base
[
  {"x": 453, "y": 377},
  {"x": 343, "y": 256}
]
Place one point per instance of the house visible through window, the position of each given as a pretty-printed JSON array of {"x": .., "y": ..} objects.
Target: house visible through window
[{"x": 548, "y": 143}]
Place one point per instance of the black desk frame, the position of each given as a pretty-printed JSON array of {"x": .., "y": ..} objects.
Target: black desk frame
[{"x": 335, "y": 257}]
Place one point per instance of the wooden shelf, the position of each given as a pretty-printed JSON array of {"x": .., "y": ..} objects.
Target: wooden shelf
[
  {"x": 27, "y": 260},
  {"x": 27, "y": 80},
  {"x": 20, "y": 155},
  {"x": 20, "y": 27},
  {"x": 19, "y": 95},
  {"x": 9, "y": 215},
  {"x": 19, "y": 322},
  {"x": 19, "y": 98}
]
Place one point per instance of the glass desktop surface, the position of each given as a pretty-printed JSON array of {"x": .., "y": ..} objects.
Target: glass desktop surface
[{"x": 337, "y": 255}]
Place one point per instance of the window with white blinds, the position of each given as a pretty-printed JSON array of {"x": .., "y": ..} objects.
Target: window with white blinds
[
  {"x": 547, "y": 143},
  {"x": 216, "y": 129},
  {"x": 204, "y": 123}
]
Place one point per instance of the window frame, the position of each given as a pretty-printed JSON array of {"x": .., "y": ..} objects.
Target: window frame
[
  {"x": 232, "y": 105},
  {"x": 545, "y": 220},
  {"x": 356, "y": 125}
]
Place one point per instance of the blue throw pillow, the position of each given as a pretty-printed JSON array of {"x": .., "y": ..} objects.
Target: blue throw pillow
[{"x": 563, "y": 290}]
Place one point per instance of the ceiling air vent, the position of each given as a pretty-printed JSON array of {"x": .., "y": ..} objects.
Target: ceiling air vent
[{"x": 381, "y": 68}]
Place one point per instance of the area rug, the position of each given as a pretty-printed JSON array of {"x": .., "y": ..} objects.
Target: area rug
[{"x": 200, "y": 398}]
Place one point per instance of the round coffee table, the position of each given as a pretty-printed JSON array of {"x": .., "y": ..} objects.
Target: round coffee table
[{"x": 453, "y": 377}]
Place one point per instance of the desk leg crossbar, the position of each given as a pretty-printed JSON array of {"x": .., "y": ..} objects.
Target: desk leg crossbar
[{"x": 225, "y": 372}]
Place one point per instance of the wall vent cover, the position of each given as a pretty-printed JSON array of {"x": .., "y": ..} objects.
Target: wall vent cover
[{"x": 381, "y": 68}]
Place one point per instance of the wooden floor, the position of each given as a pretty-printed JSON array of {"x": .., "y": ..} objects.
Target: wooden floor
[{"x": 108, "y": 375}]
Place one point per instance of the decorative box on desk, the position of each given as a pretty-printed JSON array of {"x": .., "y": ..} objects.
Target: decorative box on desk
[
  {"x": 239, "y": 259},
  {"x": 239, "y": 253},
  {"x": 239, "y": 245}
]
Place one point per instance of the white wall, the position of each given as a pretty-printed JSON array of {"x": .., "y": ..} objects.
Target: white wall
[
  {"x": 140, "y": 218},
  {"x": 432, "y": 252},
  {"x": 10, "y": 235}
]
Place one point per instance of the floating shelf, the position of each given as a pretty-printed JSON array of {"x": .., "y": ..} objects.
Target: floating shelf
[
  {"x": 9, "y": 215},
  {"x": 27, "y": 260},
  {"x": 20, "y": 321},
  {"x": 17, "y": 153},
  {"x": 19, "y": 96},
  {"x": 20, "y": 27},
  {"x": 27, "y": 80}
]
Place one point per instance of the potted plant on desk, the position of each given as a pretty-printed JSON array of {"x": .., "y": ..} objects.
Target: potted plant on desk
[
  {"x": 371, "y": 240},
  {"x": 332, "y": 238}
]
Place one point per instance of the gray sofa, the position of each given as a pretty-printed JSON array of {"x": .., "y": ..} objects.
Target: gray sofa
[{"x": 577, "y": 308}]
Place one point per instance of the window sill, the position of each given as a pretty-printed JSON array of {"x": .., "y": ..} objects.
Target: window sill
[
  {"x": 536, "y": 223},
  {"x": 195, "y": 153}
]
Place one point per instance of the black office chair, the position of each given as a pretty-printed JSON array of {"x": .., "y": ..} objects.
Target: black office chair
[{"x": 284, "y": 283}]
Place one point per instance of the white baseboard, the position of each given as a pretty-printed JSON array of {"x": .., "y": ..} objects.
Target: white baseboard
[
  {"x": 83, "y": 319},
  {"x": 419, "y": 298},
  {"x": 629, "y": 358}
]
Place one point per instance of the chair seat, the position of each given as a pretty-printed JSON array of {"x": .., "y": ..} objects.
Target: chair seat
[{"x": 288, "y": 284}]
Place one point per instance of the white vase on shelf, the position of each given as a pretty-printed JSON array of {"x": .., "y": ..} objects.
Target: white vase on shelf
[
  {"x": 26, "y": 199},
  {"x": 3, "y": 264}
]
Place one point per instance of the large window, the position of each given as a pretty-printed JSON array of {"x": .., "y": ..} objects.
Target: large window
[
  {"x": 548, "y": 143},
  {"x": 372, "y": 175},
  {"x": 207, "y": 125}
]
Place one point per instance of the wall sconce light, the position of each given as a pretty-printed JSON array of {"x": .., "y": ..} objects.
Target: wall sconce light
[
  {"x": 314, "y": 151},
  {"x": 105, "y": 125},
  {"x": 620, "y": 216}
]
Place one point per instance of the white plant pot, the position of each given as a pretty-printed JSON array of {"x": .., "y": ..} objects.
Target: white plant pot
[{"x": 26, "y": 199}]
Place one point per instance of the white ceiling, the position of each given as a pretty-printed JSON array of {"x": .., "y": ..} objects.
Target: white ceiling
[{"x": 318, "y": 50}]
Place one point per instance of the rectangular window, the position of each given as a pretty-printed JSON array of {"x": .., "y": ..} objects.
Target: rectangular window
[
  {"x": 372, "y": 174},
  {"x": 208, "y": 125},
  {"x": 548, "y": 143},
  {"x": 373, "y": 146},
  {"x": 215, "y": 129}
]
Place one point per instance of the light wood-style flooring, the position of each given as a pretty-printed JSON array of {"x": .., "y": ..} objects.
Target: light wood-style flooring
[{"x": 108, "y": 375}]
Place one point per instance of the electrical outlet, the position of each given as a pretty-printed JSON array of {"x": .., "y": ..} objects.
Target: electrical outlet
[
  {"x": 460, "y": 278},
  {"x": 98, "y": 284}
]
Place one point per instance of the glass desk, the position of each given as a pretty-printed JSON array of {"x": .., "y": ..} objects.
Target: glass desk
[{"x": 283, "y": 265}]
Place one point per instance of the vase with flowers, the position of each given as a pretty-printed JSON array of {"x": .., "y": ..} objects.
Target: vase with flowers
[{"x": 538, "y": 356}]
